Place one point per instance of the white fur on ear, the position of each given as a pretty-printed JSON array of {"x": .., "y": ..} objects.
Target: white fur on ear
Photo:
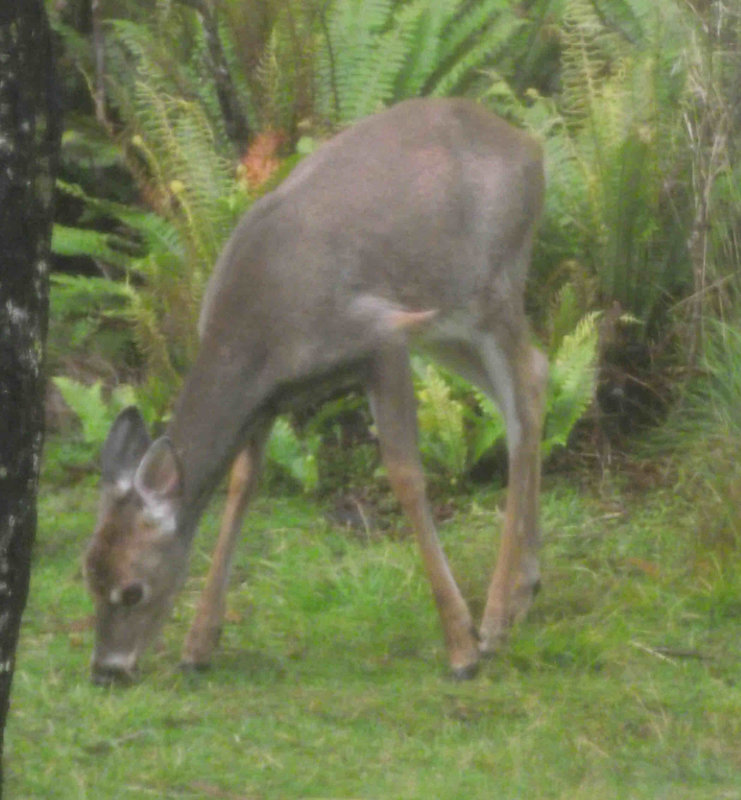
[
  {"x": 161, "y": 514},
  {"x": 123, "y": 485},
  {"x": 159, "y": 482}
]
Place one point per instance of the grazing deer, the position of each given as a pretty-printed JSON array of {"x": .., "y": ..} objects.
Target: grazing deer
[{"x": 415, "y": 224}]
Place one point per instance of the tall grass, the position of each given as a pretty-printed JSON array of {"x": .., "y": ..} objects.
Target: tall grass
[{"x": 704, "y": 435}]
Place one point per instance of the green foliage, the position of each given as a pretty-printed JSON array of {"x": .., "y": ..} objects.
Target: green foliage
[
  {"x": 375, "y": 53},
  {"x": 294, "y": 456},
  {"x": 486, "y": 427},
  {"x": 102, "y": 247},
  {"x": 171, "y": 138},
  {"x": 710, "y": 114},
  {"x": 614, "y": 146},
  {"x": 155, "y": 303},
  {"x": 703, "y": 435},
  {"x": 85, "y": 320},
  {"x": 173, "y": 150},
  {"x": 634, "y": 101},
  {"x": 460, "y": 425},
  {"x": 94, "y": 414},
  {"x": 718, "y": 393},
  {"x": 571, "y": 384},
  {"x": 724, "y": 239},
  {"x": 177, "y": 153},
  {"x": 271, "y": 47},
  {"x": 441, "y": 418}
]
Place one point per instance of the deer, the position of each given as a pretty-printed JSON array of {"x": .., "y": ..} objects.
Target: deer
[{"x": 411, "y": 229}]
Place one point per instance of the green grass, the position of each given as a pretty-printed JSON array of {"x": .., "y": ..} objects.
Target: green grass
[{"x": 330, "y": 681}]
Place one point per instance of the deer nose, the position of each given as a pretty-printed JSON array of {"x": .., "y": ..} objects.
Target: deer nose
[{"x": 119, "y": 671}]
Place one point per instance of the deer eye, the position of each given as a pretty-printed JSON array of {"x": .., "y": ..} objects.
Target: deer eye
[{"x": 132, "y": 595}]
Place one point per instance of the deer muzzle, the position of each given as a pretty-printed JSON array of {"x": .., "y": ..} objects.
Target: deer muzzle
[{"x": 118, "y": 669}]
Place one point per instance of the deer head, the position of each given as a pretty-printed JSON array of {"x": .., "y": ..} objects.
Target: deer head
[{"x": 136, "y": 558}]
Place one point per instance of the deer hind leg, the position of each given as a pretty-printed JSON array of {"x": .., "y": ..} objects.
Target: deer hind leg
[
  {"x": 394, "y": 408},
  {"x": 517, "y": 374},
  {"x": 205, "y": 630}
]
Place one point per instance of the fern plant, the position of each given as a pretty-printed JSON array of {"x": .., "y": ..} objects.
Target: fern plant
[
  {"x": 612, "y": 140},
  {"x": 442, "y": 421},
  {"x": 460, "y": 425},
  {"x": 374, "y": 53},
  {"x": 294, "y": 456},
  {"x": 160, "y": 297},
  {"x": 173, "y": 144},
  {"x": 571, "y": 384},
  {"x": 95, "y": 415}
]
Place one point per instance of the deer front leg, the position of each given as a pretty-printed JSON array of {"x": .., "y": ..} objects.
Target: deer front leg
[
  {"x": 205, "y": 630},
  {"x": 394, "y": 408},
  {"x": 516, "y": 576}
]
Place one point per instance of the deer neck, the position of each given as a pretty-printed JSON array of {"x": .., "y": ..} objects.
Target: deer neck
[{"x": 220, "y": 407}]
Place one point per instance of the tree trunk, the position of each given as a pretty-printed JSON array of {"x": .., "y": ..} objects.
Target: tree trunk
[
  {"x": 29, "y": 138},
  {"x": 235, "y": 121}
]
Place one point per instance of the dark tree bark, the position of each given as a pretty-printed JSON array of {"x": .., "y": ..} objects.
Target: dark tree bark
[
  {"x": 235, "y": 120},
  {"x": 29, "y": 138}
]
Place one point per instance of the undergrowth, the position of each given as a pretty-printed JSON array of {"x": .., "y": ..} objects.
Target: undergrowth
[{"x": 330, "y": 679}]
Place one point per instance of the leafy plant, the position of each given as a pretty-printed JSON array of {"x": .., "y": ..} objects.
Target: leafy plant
[
  {"x": 294, "y": 456},
  {"x": 374, "y": 53},
  {"x": 710, "y": 114},
  {"x": 635, "y": 103},
  {"x": 459, "y": 425},
  {"x": 486, "y": 427},
  {"x": 441, "y": 418},
  {"x": 167, "y": 253},
  {"x": 612, "y": 139},
  {"x": 703, "y": 435},
  {"x": 85, "y": 321},
  {"x": 149, "y": 249},
  {"x": 94, "y": 414},
  {"x": 283, "y": 50},
  {"x": 571, "y": 383}
]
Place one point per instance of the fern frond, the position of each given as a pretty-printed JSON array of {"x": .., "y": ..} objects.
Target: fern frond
[
  {"x": 353, "y": 29},
  {"x": 379, "y": 51},
  {"x": 148, "y": 230},
  {"x": 585, "y": 60},
  {"x": 474, "y": 34},
  {"x": 441, "y": 423},
  {"x": 474, "y": 58},
  {"x": 105, "y": 247},
  {"x": 296, "y": 457},
  {"x": 427, "y": 24},
  {"x": 373, "y": 85},
  {"x": 86, "y": 294},
  {"x": 489, "y": 427},
  {"x": 571, "y": 382}
]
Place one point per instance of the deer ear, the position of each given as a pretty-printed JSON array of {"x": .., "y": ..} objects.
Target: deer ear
[
  {"x": 159, "y": 477},
  {"x": 126, "y": 443}
]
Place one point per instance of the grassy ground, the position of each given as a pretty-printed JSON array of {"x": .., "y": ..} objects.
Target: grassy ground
[{"x": 330, "y": 681}]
